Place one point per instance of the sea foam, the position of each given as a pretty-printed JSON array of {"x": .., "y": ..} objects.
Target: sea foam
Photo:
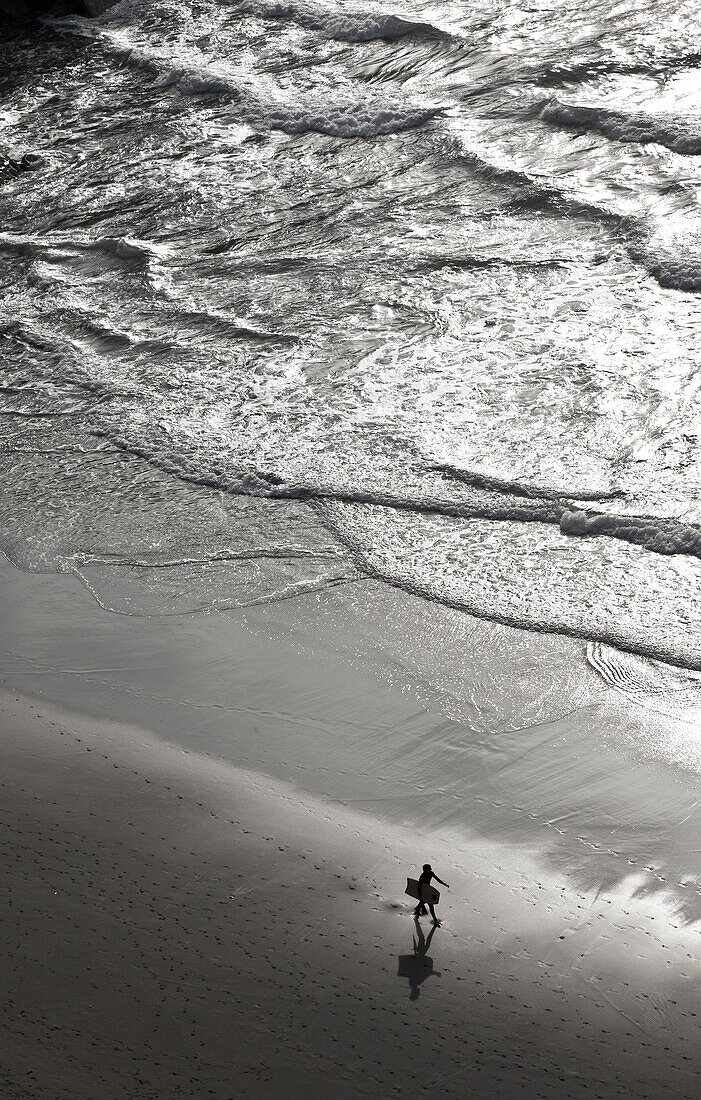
[
  {"x": 353, "y": 120},
  {"x": 661, "y": 536}
]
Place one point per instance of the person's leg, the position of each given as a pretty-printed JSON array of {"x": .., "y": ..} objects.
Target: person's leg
[{"x": 433, "y": 914}]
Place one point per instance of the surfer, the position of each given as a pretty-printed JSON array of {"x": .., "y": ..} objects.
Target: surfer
[{"x": 425, "y": 880}]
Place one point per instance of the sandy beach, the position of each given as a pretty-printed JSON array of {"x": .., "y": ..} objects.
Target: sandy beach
[
  {"x": 179, "y": 924},
  {"x": 350, "y": 521}
]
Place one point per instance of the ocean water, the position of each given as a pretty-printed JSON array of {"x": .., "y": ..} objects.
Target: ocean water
[{"x": 297, "y": 293}]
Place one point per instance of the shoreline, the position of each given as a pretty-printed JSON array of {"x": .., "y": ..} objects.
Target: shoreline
[{"x": 422, "y": 719}]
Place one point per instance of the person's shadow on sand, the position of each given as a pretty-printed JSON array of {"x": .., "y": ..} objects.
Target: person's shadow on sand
[{"x": 418, "y": 966}]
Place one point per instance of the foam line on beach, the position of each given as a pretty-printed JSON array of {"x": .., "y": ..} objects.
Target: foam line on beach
[
  {"x": 656, "y": 534},
  {"x": 522, "y": 489}
]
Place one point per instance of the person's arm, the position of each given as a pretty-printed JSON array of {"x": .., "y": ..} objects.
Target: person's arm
[{"x": 441, "y": 882}]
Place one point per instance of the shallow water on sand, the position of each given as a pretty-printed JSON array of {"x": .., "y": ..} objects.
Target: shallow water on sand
[{"x": 411, "y": 714}]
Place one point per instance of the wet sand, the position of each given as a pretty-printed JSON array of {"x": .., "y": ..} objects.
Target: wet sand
[{"x": 178, "y": 924}]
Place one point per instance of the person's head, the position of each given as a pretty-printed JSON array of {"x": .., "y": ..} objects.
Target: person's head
[{"x": 427, "y": 866}]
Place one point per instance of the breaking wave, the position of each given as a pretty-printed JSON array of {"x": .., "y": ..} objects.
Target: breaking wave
[
  {"x": 660, "y": 536},
  {"x": 359, "y": 118},
  {"x": 671, "y": 256},
  {"x": 353, "y": 120},
  {"x": 681, "y": 135},
  {"x": 342, "y": 26},
  {"x": 123, "y": 248},
  {"x": 575, "y": 613}
]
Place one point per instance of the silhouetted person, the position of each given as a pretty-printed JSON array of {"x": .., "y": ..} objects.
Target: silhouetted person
[{"x": 425, "y": 880}]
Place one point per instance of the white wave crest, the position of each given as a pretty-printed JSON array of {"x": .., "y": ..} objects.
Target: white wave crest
[
  {"x": 671, "y": 255},
  {"x": 353, "y": 120},
  {"x": 360, "y": 118},
  {"x": 683, "y": 273},
  {"x": 124, "y": 248},
  {"x": 187, "y": 80},
  {"x": 358, "y": 26},
  {"x": 661, "y": 536},
  {"x": 681, "y": 135},
  {"x": 129, "y": 248}
]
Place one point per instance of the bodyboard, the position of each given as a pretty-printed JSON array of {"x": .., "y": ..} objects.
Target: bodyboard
[{"x": 428, "y": 894}]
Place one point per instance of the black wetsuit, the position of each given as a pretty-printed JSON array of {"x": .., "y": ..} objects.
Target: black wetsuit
[{"x": 425, "y": 880}]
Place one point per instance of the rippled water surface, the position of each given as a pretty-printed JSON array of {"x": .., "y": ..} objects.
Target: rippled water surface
[{"x": 298, "y": 292}]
